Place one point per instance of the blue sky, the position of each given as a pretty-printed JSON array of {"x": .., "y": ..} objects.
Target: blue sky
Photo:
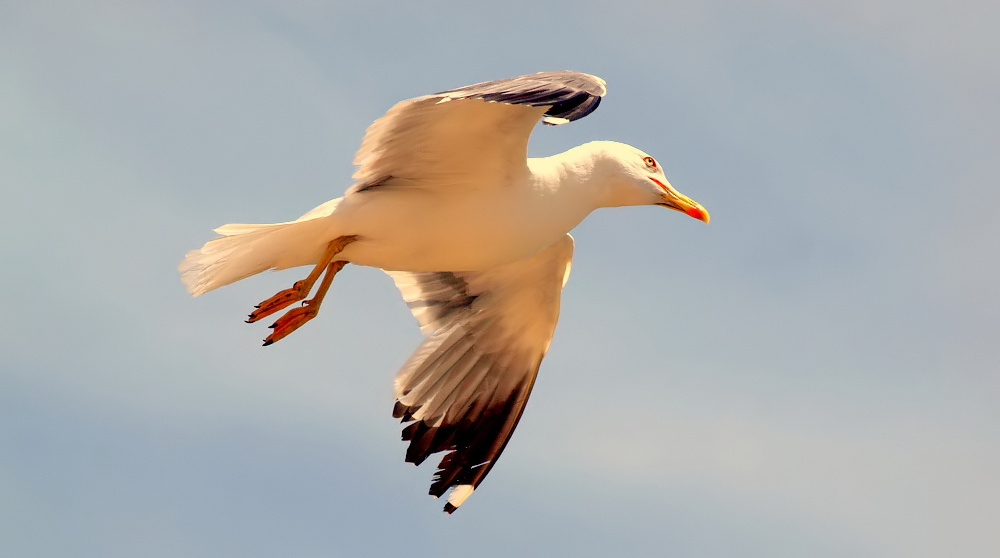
[{"x": 813, "y": 374}]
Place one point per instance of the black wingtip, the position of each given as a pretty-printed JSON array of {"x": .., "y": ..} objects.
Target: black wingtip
[
  {"x": 267, "y": 342},
  {"x": 449, "y": 509},
  {"x": 399, "y": 411}
]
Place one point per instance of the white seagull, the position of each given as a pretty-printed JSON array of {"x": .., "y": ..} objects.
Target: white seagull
[{"x": 475, "y": 235}]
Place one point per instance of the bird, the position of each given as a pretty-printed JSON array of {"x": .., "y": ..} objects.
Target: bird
[{"x": 475, "y": 235}]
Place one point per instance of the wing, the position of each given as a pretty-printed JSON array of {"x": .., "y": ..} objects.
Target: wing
[
  {"x": 464, "y": 389},
  {"x": 466, "y": 135}
]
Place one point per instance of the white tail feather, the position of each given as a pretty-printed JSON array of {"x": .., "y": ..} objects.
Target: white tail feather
[{"x": 244, "y": 250}]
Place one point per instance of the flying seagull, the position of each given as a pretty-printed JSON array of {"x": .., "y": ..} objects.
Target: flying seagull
[{"x": 474, "y": 234}]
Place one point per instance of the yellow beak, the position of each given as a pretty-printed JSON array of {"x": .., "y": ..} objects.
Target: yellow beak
[{"x": 679, "y": 202}]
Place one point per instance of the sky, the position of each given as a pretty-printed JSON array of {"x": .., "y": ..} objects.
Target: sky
[{"x": 812, "y": 374}]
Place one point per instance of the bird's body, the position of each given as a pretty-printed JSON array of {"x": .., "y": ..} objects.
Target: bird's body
[
  {"x": 416, "y": 229},
  {"x": 429, "y": 229},
  {"x": 475, "y": 236}
]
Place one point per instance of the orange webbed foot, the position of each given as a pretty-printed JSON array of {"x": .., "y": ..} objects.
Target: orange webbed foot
[
  {"x": 292, "y": 320},
  {"x": 282, "y": 299}
]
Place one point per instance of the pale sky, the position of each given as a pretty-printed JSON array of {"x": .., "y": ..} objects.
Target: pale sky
[{"x": 812, "y": 374}]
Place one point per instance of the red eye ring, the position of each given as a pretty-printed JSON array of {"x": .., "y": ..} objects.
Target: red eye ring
[{"x": 650, "y": 162}]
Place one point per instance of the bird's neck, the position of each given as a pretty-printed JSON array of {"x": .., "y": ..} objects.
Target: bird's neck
[{"x": 579, "y": 177}]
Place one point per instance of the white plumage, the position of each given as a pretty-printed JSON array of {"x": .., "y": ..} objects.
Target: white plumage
[{"x": 475, "y": 236}]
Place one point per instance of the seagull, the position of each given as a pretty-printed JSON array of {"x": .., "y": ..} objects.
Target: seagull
[{"x": 475, "y": 236}]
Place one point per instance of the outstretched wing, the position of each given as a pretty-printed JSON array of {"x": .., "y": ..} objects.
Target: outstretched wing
[
  {"x": 464, "y": 389},
  {"x": 457, "y": 137}
]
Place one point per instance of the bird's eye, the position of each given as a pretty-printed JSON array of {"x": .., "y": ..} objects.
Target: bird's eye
[{"x": 650, "y": 162}]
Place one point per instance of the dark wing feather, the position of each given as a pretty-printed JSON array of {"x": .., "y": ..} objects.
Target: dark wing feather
[{"x": 569, "y": 95}]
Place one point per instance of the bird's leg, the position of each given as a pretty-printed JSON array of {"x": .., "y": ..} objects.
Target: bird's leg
[
  {"x": 298, "y": 316},
  {"x": 300, "y": 289}
]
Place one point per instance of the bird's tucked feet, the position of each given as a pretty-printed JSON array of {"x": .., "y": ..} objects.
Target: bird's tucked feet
[
  {"x": 291, "y": 321},
  {"x": 295, "y": 317},
  {"x": 299, "y": 291}
]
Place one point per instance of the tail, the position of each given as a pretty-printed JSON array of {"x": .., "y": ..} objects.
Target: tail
[{"x": 245, "y": 250}]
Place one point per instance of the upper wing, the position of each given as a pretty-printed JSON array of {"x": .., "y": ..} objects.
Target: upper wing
[
  {"x": 463, "y": 135},
  {"x": 466, "y": 386}
]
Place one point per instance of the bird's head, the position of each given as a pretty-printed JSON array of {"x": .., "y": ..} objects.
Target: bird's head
[{"x": 636, "y": 178}]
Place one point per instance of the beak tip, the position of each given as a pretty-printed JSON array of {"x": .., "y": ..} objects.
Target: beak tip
[{"x": 699, "y": 213}]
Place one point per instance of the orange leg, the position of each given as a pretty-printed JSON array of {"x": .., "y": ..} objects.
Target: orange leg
[
  {"x": 300, "y": 290},
  {"x": 295, "y": 317}
]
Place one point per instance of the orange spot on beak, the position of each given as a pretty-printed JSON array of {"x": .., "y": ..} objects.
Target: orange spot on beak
[
  {"x": 678, "y": 201},
  {"x": 698, "y": 212}
]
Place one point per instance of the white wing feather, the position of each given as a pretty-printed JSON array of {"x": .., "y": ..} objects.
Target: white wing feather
[
  {"x": 456, "y": 137},
  {"x": 465, "y": 387}
]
